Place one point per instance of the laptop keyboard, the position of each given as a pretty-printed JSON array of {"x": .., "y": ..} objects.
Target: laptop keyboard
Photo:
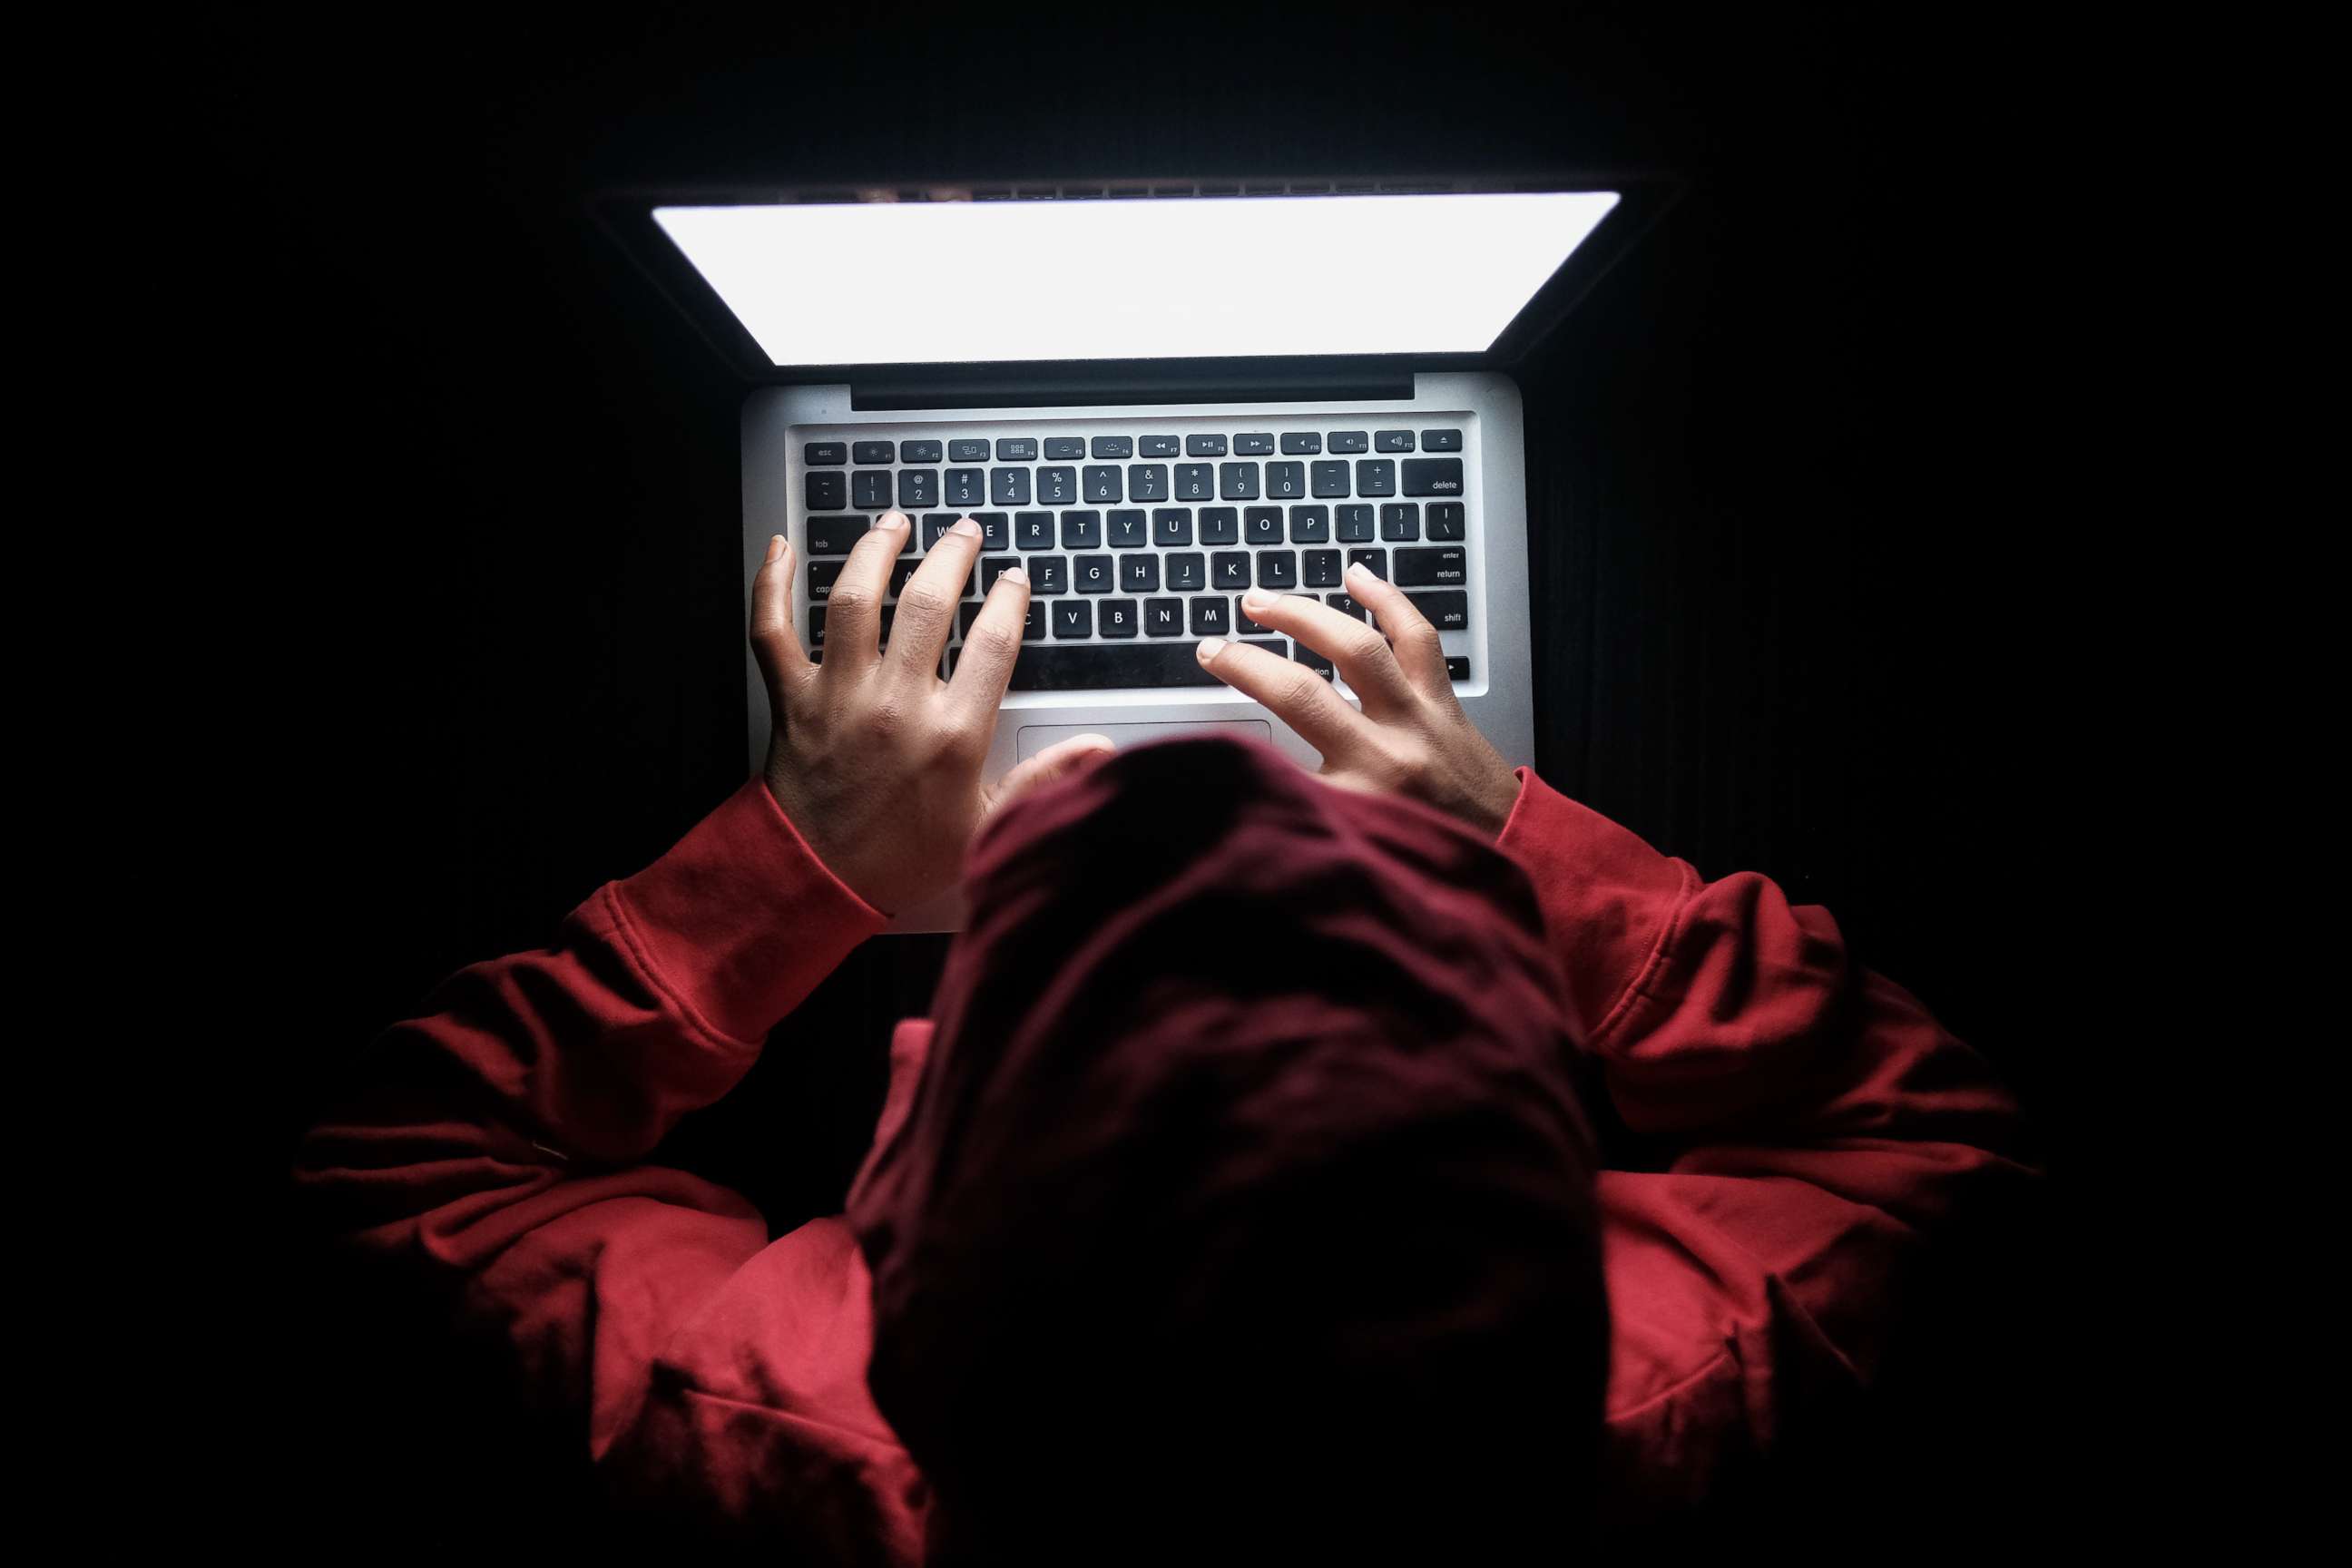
[{"x": 1139, "y": 545}]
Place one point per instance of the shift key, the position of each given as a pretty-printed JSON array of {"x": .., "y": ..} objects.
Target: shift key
[
  {"x": 1433, "y": 476},
  {"x": 1445, "y": 567}
]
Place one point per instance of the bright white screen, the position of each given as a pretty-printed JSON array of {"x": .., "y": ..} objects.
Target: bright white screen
[{"x": 1157, "y": 277}]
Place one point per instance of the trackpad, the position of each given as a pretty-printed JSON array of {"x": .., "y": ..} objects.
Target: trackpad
[{"x": 1035, "y": 738}]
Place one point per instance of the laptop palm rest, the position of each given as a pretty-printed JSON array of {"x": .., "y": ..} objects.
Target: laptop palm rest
[{"x": 1035, "y": 738}]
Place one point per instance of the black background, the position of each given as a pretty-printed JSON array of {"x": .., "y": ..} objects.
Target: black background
[{"x": 1794, "y": 548}]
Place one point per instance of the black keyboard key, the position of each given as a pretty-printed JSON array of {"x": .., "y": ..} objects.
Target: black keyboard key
[
  {"x": 935, "y": 527},
  {"x": 995, "y": 529},
  {"x": 1376, "y": 477},
  {"x": 825, "y": 493},
  {"x": 1329, "y": 479},
  {"x": 1447, "y": 520},
  {"x": 1204, "y": 446},
  {"x": 816, "y": 625},
  {"x": 1285, "y": 481},
  {"x": 1392, "y": 440},
  {"x": 1033, "y": 628},
  {"x": 1446, "y": 566},
  {"x": 1377, "y": 560},
  {"x": 1049, "y": 574},
  {"x": 1057, "y": 486},
  {"x": 1164, "y": 618},
  {"x": 1248, "y": 627},
  {"x": 1457, "y": 667},
  {"x": 1032, "y": 529},
  {"x": 1301, "y": 443},
  {"x": 1188, "y": 571},
  {"x": 1009, "y": 487},
  {"x": 1254, "y": 446},
  {"x": 1127, "y": 530},
  {"x": 1319, "y": 569},
  {"x": 1355, "y": 523},
  {"x": 1094, "y": 573},
  {"x": 1118, "y": 618},
  {"x": 1063, "y": 448},
  {"x": 870, "y": 487},
  {"x": 1262, "y": 525},
  {"x": 1441, "y": 440},
  {"x": 1277, "y": 569},
  {"x": 1147, "y": 481},
  {"x": 1433, "y": 476},
  {"x": 900, "y": 570},
  {"x": 967, "y": 487},
  {"x": 1312, "y": 660},
  {"x": 1349, "y": 441},
  {"x": 1100, "y": 482},
  {"x": 1448, "y": 609},
  {"x": 1213, "y": 616},
  {"x": 835, "y": 535},
  {"x": 918, "y": 487},
  {"x": 919, "y": 451},
  {"x": 1157, "y": 447},
  {"x": 824, "y": 454},
  {"x": 1220, "y": 525},
  {"x": 1016, "y": 449},
  {"x": 1195, "y": 481},
  {"x": 1172, "y": 525},
  {"x": 1229, "y": 569},
  {"x": 966, "y": 451},
  {"x": 1082, "y": 530},
  {"x": 821, "y": 574},
  {"x": 1100, "y": 667},
  {"x": 874, "y": 452},
  {"x": 1114, "y": 445},
  {"x": 1400, "y": 520},
  {"x": 1310, "y": 524},
  {"x": 1074, "y": 618},
  {"x": 1346, "y": 606},
  {"x": 1138, "y": 574},
  {"x": 1237, "y": 481},
  {"x": 991, "y": 567}
]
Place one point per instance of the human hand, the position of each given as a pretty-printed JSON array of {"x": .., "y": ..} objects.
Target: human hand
[
  {"x": 1412, "y": 738},
  {"x": 874, "y": 759}
]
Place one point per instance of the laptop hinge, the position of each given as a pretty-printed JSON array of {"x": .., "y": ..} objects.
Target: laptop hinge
[{"x": 1061, "y": 392}]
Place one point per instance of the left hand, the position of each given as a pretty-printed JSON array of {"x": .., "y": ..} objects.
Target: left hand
[{"x": 874, "y": 759}]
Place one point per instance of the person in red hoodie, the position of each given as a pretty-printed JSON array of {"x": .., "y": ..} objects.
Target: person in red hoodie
[{"x": 1238, "y": 1195}]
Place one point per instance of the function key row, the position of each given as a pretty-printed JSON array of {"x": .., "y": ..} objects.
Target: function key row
[
  {"x": 1064, "y": 448},
  {"x": 1107, "y": 484}
]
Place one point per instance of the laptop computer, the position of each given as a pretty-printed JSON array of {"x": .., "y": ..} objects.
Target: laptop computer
[{"x": 1151, "y": 397}]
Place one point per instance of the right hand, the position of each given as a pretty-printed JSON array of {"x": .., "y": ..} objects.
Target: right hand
[{"x": 1412, "y": 738}]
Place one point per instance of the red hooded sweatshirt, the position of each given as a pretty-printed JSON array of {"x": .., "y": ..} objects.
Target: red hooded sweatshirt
[{"x": 1245, "y": 1095}]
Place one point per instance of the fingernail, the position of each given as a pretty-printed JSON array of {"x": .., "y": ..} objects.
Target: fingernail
[
  {"x": 1012, "y": 575},
  {"x": 1256, "y": 599},
  {"x": 1360, "y": 572},
  {"x": 894, "y": 520},
  {"x": 775, "y": 545},
  {"x": 1209, "y": 649},
  {"x": 965, "y": 529}
]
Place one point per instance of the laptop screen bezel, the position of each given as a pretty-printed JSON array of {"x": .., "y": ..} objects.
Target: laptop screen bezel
[{"x": 628, "y": 216}]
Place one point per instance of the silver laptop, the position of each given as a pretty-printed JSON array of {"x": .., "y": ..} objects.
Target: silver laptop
[{"x": 1152, "y": 398}]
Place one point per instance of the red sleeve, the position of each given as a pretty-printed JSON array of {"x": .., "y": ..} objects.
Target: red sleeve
[
  {"x": 1821, "y": 1123},
  {"x": 493, "y": 1149}
]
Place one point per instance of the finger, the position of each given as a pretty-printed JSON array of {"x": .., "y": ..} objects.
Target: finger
[
  {"x": 852, "y": 613},
  {"x": 1363, "y": 656},
  {"x": 985, "y": 667},
  {"x": 1419, "y": 654},
  {"x": 927, "y": 604},
  {"x": 1058, "y": 760},
  {"x": 782, "y": 663},
  {"x": 1291, "y": 693}
]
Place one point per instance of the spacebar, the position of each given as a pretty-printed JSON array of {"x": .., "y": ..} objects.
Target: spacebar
[{"x": 1099, "y": 666}]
